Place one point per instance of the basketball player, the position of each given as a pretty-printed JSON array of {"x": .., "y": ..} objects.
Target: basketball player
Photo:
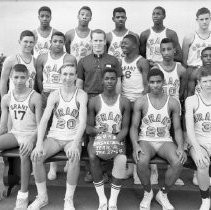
[
  {"x": 109, "y": 103},
  {"x": 134, "y": 68},
  {"x": 151, "y": 38},
  {"x": 26, "y": 41},
  {"x": 114, "y": 38},
  {"x": 198, "y": 126},
  {"x": 69, "y": 107},
  {"x": 44, "y": 32},
  {"x": 154, "y": 111},
  {"x": 193, "y": 44},
  {"x": 48, "y": 77},
  {"x": 78, "y": 40},
  {"x": 24, "y": 106}
]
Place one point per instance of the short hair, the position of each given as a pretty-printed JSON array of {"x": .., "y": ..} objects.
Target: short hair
[
  {"x": 205, "y": 49},
  {"x": 44, "y": 8},
  {"x": 85, "y": 8},
  {"x": 155, "y": 72},
  {"x": 110, "y": 69},
  {"x": 204, "y": 72},
  {"x": 162, "y": 9},
  {"x": 167, "y": 40},
  {"x": 98, "y": 31},
  {"x": 118, "y": 9},
  {"x": 67, "y": 65},
  {"x": 58, "y": 33},
  {"x": 202, "y": 11},
  {"x": 132, "y": 38},
  {"x": 26, "y": 33},
  {"x": 20, "y": 68}
]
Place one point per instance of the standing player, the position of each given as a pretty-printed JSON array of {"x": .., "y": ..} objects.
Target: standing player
[
  {"x": 25, "y": 57},
  {"x": 44, "y": 32},
  {"x": 193, "y": 44},
  {"x": 24, "y": 106},
  {"x": 151, "y": 38},
  {"x": 114, "y": 38},
  {"x": 108, "y": 113},
  {"x": 154, "y": 111},
  {"x": 68, "y": 105},
  {"x": 78, "y": 40},
  {"x": 198, "y": 126},
  {"x": 134, "y": 69},
  {"x": 48, "y": 77}
]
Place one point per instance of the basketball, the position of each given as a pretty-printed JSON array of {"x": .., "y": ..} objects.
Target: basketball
[{"x": 107, "y": 147}]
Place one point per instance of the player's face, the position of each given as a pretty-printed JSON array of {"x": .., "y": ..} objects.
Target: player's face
[
  {"x": 155, "y": 84},
  {"x": 68, "y": 75},
  {"x": 109, "y": 81},
  {"x": 203, "y": 21},
  {"x": 27, "y": 44},
  {"x": 84, "y": 17},
  {"x": 127, "y": 46},
  {"x": 57, "y": 44},
  {"x": 205, "y": 84},
  {"x": 45, "y": 18},
  {"x": 206, "y": 58},
  {"x": 157, "y": 16},
  {"x": 19, "y": 79},
  {"x": 119, "y": 19},
  {"x": 98, "y": 42},
  {"x": 167, "y": 51}
]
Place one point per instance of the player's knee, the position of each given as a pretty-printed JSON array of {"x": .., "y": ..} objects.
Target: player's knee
[
  {"x": 175, "y": 162},
  {"x": 119, "y": 168},
  {"x": 143, "y": 161},
  {"x": 120, "y": 160},
  {"x": 73, "y": 164},
  {"x": 203, "y": 170},
  {"x": 24, "y": 158}
]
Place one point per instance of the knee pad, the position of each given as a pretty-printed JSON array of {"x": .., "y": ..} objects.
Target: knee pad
[{"x": 119, "y": 167}]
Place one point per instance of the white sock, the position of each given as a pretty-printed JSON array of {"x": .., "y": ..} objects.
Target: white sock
[
  {"x": 22, "y": 195},
  {"x": 41, "y": 189},
  {"x": 100, "y": 191},
  {"x": 53, "y": 166},
  {"x": 115, "y": 189},
  {"x": 70, "y": 189}
]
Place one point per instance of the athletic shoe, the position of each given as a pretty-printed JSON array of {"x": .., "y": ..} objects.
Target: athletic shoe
[
  {"x": 112, "y": 208},
  {"x": 163, "y": 200},
  {"x": 68, "y": 204},
  {"x": 103, "y": 206},
  {"x": 52, "y": 174},
  {"x": 21, "y": 204},
  {"x": 146, "y": 201},
  {"x": 179, "y": 182},
  {"x": 38, "y": 203},
  {"x": 88, "y": 177},
  {"x": 205, "y": 205}
]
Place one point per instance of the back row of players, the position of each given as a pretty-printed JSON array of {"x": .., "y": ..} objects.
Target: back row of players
[{"x": 55, "y": 67}]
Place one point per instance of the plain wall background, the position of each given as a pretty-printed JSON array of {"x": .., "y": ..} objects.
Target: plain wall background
[{"x": 16, "y": 16}]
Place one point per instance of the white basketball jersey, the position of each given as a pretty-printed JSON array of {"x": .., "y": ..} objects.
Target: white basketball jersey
[
  {"x": 65, "y": 119},
  {"x": 153, "y": 45},
  {"x": 31, "y": 69},
  {"x": 23, "y": 119},
  {"x": 51, "y": 75},
  {"x": 42, "y": 45},
  {"x": 115, "y": 46},
  {"x": 202, "y": 121},
  {"x": 81, "y": 47},
  {"x": 132, "y": 81},
  {"x": 109, "y": 116},
  {"x": 172, "y": 82},
  {"x": 156, "y": 124},
  {"x": 194, "y": 54}
]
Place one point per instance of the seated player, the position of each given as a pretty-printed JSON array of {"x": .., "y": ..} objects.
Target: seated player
[
  {"x": 109, "y": 113},
  {"x": 153, "y": 110},
  {"x": 24, "y": 107},
  {"x": 69, "y": 107},
  {"x": 198, "y": 124}
]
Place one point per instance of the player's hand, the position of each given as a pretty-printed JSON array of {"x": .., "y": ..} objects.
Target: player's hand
[
  {"x": 136, "y": 152},
  {"x": 38, "y": 152},
  {"x": 73, "y": 152},
  {"x": 26, "y": 147},
  {"x": 102, "y": 129},
  {"x": 181, "y": 154},
  {"x": 202, "y": 159}
]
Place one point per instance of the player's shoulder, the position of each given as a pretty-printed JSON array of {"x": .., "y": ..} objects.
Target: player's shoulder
[
  {"x": 173, "y": 102},
  {"x": 82, "y": 94},
  {"x": 70, "y": 33},
  {"x": 6, "y": 98},
  {"x": 180, "y": 68},
  {"x": 94, "y": 101},
  {"x": 170, "y": 31},
  {"x": 124, "y": 100},
  {"x": 12, "y": 59},
  {"x": 191, "y": 100},
  {"x": 146, "y": 32},
  {"x": 189, "y": 37},
  {"x": 141, "y": 101}
]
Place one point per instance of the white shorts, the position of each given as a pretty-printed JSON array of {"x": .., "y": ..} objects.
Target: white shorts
[
  {"x": 22, "y": 136},
  {"x": 157, "y": 144}
]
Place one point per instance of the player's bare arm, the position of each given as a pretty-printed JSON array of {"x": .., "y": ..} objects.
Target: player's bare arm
[
  {"x": 68, "y": 39},
  {"x": 108, "y": 40},
  {"x": 183, "y": 81},
  {"x": 4, "y": 113},
  {"x": 143, "y": 42}
]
